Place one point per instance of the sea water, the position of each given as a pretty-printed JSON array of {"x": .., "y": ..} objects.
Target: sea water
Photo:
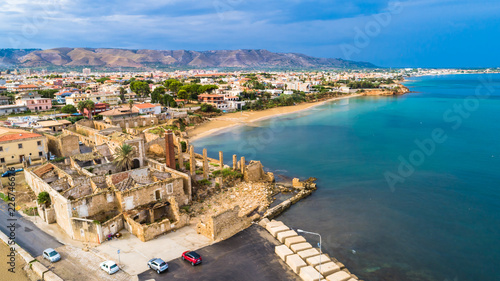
[{"x": 408, "y": 186}]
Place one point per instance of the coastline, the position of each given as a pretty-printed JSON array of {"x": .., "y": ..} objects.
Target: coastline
[{"x": 234, "y": 119}]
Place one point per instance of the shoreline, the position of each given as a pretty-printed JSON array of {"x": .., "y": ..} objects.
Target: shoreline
[{"x": 234, "y": 119}]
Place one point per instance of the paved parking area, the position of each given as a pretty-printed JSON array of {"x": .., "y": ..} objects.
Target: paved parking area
[
  {"x": 247, "y": 256},
  {"x": 134, "y": 254},
  {"x": 79, "y": 265}
]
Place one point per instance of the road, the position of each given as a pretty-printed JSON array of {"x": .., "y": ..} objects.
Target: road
[
  {"x": 247, "y": 256},
  {"x": 28, "y": 236}
]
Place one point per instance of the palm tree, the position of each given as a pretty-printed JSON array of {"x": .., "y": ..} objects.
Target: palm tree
[
  {"x": 123, "y": 156},
  {"x": 89, "y": 105},
  {"x": 81, "y": 106},
  {"x": 130, "y": 104}
]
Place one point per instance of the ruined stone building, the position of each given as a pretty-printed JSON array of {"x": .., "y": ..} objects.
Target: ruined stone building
[{"x": 91, "y": 198}]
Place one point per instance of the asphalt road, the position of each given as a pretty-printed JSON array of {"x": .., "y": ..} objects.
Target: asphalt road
[
  {"x": 247, "y": 256},
  {"x": 27, "y": 235}
]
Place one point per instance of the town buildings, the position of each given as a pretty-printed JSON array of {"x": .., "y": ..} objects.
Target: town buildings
[{"x": 17, "y": 146}]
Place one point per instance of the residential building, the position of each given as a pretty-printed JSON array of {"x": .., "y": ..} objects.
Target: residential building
[
  {"x": 98, "y": 109},
  {"x": 4, "y": 100},
  {"x": 26, "y": 88},
  {"x": 213, "y": 99},
  {"x": 17, "y": 146},
  {"x": 34, "y": 102},
  {"x": 14, "y": 108},
  {"x": 147, "y": 108}
]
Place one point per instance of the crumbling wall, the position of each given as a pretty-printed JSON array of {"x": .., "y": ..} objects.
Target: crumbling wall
[
  {"x": 94, "y": 204},
  {"x": 63, "y": 145},
  {"x": 86, "y": 230},
  {"x": 224, "y": 225},
  {"x": 60, "y": 204},
  {"x": 112, "y": 226},
  {"x": 173, "y": 187}
]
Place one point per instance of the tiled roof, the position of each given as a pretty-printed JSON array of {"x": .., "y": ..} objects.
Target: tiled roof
[
  {"x": 144, "y": 105},
  {"x": 12, "y": 137}
]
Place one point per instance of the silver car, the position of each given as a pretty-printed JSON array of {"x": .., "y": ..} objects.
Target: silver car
[
  {"x": 51, "y": 255},
  {"x": 158, "y": 265}
]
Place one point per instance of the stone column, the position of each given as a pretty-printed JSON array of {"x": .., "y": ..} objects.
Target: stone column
[
  {"x": 169, "y": 150},
  {"x": 235, "y": 162},
  {"x": 192, "y": 161},
  {"x": 205, "y": 164},
  {"x": 180, "y": 155},
  {"x": 242, "y": 165},
  {"x": 221, "y": 160}
]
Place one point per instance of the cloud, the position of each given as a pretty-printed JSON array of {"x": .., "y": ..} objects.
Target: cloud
[{"x": 315, "y": 27}]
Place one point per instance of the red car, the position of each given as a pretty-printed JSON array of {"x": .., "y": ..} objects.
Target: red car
[{"x": 191, "y": 257}]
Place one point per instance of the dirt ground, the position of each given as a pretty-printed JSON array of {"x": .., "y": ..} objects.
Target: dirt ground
[
  {"x": 24, "y": 195},
  {"x": 20, "y": 274}
]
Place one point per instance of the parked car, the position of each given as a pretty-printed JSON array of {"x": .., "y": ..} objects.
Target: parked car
[
  {"x": 158, "y": 265},
  {"x": 109, "y": 266},
  {"x": 80, "y": 143},
  {"x": 191, "y": 257},
  {"x": 51, "y": 255},
  {"x": 11, "y": 173}
]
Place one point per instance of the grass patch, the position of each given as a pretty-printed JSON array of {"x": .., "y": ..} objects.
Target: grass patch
[
  {"x": 214, "y": 164},
  {"x": 204, "y": 182},
  {"x": 228, "y": 173},
  {"x": 4, "y": 197}
]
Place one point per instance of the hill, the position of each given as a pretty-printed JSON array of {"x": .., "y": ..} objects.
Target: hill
[{"x": 114, "y": 58}]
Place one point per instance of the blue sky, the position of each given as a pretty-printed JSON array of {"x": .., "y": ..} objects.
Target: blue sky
[{"x": 419, "y": 33}]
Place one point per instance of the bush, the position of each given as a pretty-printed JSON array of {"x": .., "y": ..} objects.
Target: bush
[
  {"x": 205, "y": 107},
  {"x": 187, "y": 166},
  {"x": 69, "y": 108},
  {"x": 228, "y": 173},
  {"x": 184, "y": 146},
  {"x": 44, "y": 198},
  {"x": 204, "y": 182}
]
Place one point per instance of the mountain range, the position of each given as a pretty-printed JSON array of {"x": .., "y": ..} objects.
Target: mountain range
[{"x": 115, "y": 58}]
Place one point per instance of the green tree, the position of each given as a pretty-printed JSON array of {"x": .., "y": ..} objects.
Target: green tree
[
  {"x": 156, "y": 95},
  {"x": 69, "y": 108},
  {"x": 183, "y": 94},
  {"x": 122, "y": 93},
  {"x": 123, "y": 156},
  {"x": 130, "y": 104},
  {"x": 81, "y": 106},
  {"x": 141, "y": 88},
  {"x": 44, "y": 198},
  {"x": 168, "y": 100}
]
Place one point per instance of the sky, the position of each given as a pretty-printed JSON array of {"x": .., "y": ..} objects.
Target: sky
[{"x": 417, "y": 33}]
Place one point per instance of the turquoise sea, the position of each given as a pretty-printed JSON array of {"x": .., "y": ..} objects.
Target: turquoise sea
[{"x": 409, "y": 187}]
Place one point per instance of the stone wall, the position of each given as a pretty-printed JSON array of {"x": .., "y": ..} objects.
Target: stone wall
[
  {"x": 60, "y": 204},
  {"x": 225, "y": 224},
  {"x": 86, "y": 230},
  {"x": 94, "y": 204},
  {"x": 112, "y": 226},
  {"x": 63, "y": 145},
  {"x": 139, "y": 121},
  {"x": 172, "y": 187}
]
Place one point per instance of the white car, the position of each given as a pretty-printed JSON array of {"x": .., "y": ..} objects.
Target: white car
[
  {"x": 51, "y": 255},
  {"x": 109, "y": 266}
]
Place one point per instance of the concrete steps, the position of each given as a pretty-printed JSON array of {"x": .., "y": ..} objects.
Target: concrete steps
[{"x": 302, "y": 258}]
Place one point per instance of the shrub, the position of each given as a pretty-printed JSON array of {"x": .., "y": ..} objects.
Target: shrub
[
  {"x": 228, "y": 173},
  {"x": 204, "y": 182},
  {"x": 44, "y": 198},
  {"x": 184, "y": 146},
  {"x": 187, "y": 166}
]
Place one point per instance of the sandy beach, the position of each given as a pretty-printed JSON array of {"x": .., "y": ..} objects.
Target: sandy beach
[{"x": 242, "y": 118}]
